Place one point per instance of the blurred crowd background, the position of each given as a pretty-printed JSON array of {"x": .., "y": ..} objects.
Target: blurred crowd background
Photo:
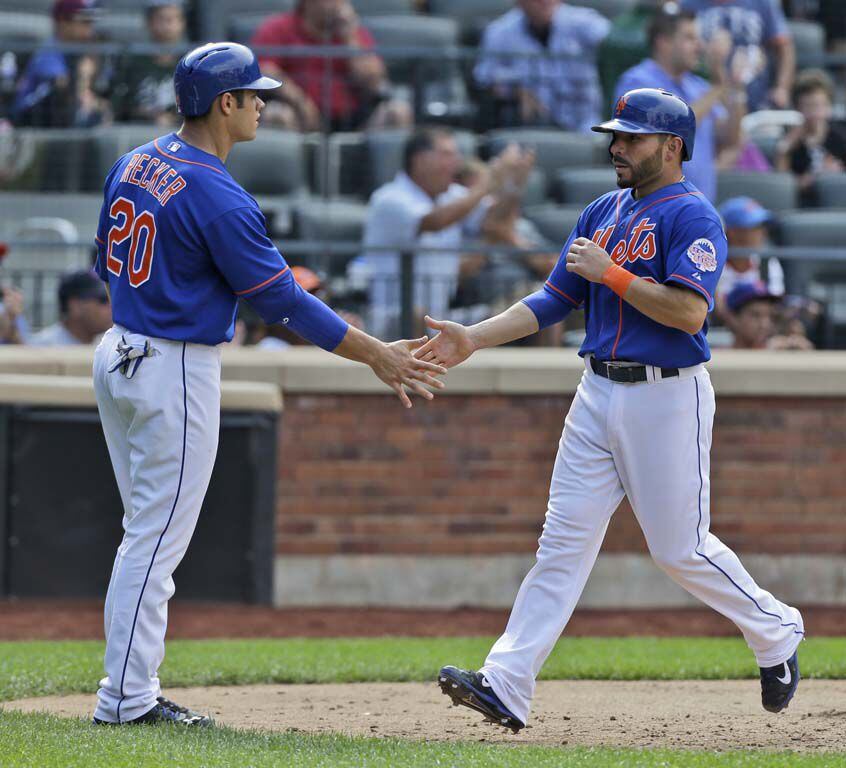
[{"x": 433, "y": 155}]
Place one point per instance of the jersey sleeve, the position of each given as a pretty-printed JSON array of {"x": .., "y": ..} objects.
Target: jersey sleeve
[
  {"x": 242, "y": 251},
  {"x": 256, "y": 271},
  {"x": 696, "y": 257}
]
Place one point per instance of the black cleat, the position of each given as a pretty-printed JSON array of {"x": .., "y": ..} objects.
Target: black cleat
[
  {"x": 472, "y": 690},
  {"x": 165, "y": 711},
  {"x": 778, "y": 684}
]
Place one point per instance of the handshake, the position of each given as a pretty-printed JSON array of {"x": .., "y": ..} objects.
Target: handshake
[{"x": 416, "y": 365}]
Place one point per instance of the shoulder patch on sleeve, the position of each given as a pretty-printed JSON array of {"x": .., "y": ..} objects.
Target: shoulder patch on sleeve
[{"x": 703, "y": 254}]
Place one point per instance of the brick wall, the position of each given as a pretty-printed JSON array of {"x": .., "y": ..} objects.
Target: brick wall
[{"x": 469, "y": 474}]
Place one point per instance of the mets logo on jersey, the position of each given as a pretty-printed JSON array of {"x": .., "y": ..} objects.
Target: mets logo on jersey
[
  {"x": 640, "y": 244},
  {"x": 703, "y": 254}
]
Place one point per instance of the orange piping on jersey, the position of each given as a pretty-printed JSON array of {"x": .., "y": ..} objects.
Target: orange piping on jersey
[
  {"x": 569, "y": 298},
  {"x": 660, "y": 200},
  {"x": 619, "y": 332},
  {"x": 694, "y": 284},
  {"x": 261, "y": 285},
  {"x": 99, "y": 240},
  {"x": 617, "y": 211},
  {"x": 182, "y": 159}
]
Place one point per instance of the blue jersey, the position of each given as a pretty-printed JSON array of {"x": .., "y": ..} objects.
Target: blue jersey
[
  {"x": 179, "y": 241},
  {"x": 672, "y": 236}
]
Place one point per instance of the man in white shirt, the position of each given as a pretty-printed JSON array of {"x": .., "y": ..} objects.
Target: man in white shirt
[
  {"x": 84, "y": 312},
  {"x": 423, "y": 206}
]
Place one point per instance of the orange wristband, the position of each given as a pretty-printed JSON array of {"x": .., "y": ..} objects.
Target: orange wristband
[{"x": 618, "y": 279}]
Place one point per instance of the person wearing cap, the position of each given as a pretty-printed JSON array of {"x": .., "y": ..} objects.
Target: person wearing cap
[
  {"x": 746, "y": 223},
  {"x": 59, "y": 89},
  {"x": 755, "y": 309},
  {"x": 142, "y": 87},
  {"x": 84, "y": 312},
  {"x": 719, "y": 105}
]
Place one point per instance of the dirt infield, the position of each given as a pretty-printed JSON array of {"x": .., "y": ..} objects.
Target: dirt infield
[
  {"x": 712, "y": 715},
  {"x": 83, "y": 620}
]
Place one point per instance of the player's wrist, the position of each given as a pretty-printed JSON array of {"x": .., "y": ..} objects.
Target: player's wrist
[{"x": 618, "y": 279}]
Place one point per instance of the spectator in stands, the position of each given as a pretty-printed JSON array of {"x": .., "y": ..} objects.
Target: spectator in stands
[
  {"x": 746, "y": 221},
  {"x": 84, "y": 312},
  {"x": 142, "y": 90},
  {"x": 719, "y": 106},
  {"x": 626, "y": 44},
  {"x": 816, "y": 146},
  {"x": 423, "y": 206},
  {"x": 13, "y": 326},
  {"x": 760, "y": 37},
  {"x": 61, "y": 89},
  {"x": 491, "y": 282},
  {"x": 350, "y": 93},
  {"x": 756, "y": 319},
  {"x": 540, "y": 60},
  {"x": 486, "y": 279}
]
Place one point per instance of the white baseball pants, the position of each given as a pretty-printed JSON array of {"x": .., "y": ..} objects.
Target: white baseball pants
[
  {"x": 651, "y": 442},
  {"x": 161, "y": 429}
]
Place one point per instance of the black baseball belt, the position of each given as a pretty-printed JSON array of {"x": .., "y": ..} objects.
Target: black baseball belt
[{"x": 626, "y": 374}]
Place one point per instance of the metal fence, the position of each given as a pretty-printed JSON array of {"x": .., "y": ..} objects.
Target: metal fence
[{"x": 408, "y": 291}]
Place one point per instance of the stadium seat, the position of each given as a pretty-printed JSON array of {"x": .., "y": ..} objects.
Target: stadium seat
[
  {"x": 383, "y": 7},
  {"x": 472, "y": 15},
  {"x": 109, "y": 143},
  {"x": 580, "y": 186},
  {"x": 216, "y": 16},
  {"x": 334, "y": 220},
  {"x": 42, "y": 7},
  {"x": 243, "y": 26},
  {"x": 814, "y": 229},
  {"x": 809, "y": 40},
  {"x": 405, "y": 34},
  {"x": 273, "y": 164},
  {"x": 81, "y": 210},
  {"x": 384, "y": 154},
  {"x": 19, "y": 26},
  {"x": 555, "y": 222},
  {"x": 48, "y": 159},
  {"x": 831, "y": 190},
  {"x": 554, "y": 149},
  {"x": 775, "y": 191},
  {"x": 121, "y": 27},
  {"x": 821, "y": 279},
  {"x": 608, "y": 8},
  {"x": 536, "y": 188}
]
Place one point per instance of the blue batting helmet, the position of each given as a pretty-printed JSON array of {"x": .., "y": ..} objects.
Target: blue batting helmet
[
  {"x": 204, "y": 73},
  {"x": 652, "y": 110}
]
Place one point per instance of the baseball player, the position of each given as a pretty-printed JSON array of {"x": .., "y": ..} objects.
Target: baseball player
[
  {"x": 179, "y": 242},
  {"x": 643, "y": 262}
]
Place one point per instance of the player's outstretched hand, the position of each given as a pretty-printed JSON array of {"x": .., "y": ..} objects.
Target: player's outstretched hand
[
  {"x": 451, "y": 346},
  {"x": 399, "y": 368}
]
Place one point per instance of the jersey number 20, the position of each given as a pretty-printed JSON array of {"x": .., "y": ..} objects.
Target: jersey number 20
[{"x": 142, "y": 226}]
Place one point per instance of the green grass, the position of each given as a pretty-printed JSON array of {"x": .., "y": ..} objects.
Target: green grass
[
  {"x": 38, "y": 741},
  {"x": 40, "y": 668}
]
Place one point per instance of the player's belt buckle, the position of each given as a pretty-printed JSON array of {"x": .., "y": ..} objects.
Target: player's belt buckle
[{"x": 618, "y": 372}]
